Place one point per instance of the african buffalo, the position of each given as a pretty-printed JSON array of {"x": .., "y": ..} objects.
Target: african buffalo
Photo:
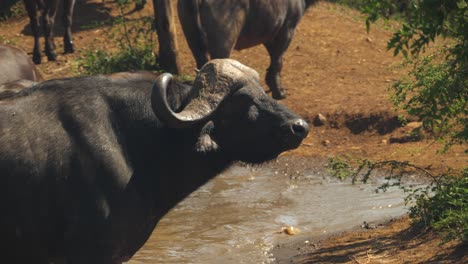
[
  {"x": 15, "y": 64},
  {"x": 215, "y": 28},
  {"x": 89, "y": 165},
  {"x": 48, "y": 9}
]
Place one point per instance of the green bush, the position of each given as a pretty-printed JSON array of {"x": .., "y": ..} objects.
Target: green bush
[
  {"x": 339, "y": 168},
  {"x": 437, "y": 90},
  {"x": 11, "y": 9},
  {"x": 127, "y": 59},
  {"x": 443, "y": 207},
  {"x": 135, "y": 42}
]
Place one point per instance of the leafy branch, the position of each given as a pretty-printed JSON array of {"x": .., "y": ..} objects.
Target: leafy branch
[
  {"x": 441, "y": 204},
  {"x": 437, "y": 88}
]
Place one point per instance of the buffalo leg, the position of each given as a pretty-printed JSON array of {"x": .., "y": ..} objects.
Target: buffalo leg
[
  {"x": 34, "y": 22},
  {"x": 276, "y": 49},
  {"x": 165, "y": 27},
  {"x": 221, "y": 35},
  {"x": 48, "y": 17},
  {"x": 222, "y": 26},
  {"x": 68, "y": 45},
  {"x": 191, "y": 26}
]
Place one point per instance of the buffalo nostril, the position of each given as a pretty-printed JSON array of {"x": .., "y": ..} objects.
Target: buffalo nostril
[{"x": 300, "y": 128}]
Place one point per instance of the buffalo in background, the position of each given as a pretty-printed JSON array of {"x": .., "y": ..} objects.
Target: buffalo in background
[
  {"x": 214, "y": 28},
  {"x": 89, "y": 165},
  {"x": 11, "y": 88},
  {"x": 17, "y": 71},
  {"x": 15, "y": 64},
  {"x": 48, "y": 10}
]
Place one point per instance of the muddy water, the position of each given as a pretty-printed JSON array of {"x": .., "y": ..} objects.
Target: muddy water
[{"x": 237, "y": 217}]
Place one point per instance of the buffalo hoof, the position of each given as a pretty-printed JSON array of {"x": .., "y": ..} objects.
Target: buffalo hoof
[
  {"x": 51, "y": 56},
  {"x": 36, "y": 58},
  {"x": 69, "y": 47},
  {"x": 278, "y": 95}
]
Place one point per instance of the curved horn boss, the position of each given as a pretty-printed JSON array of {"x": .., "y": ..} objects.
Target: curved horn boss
[{"x": 216, "y": 80}]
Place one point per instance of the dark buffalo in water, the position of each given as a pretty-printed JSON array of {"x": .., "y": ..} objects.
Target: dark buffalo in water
[
  {"x": 48, "y": 10},
  {"x": 214, "y": 28},
  {"x": 15, "y": 64},
  {"x": 89, "y": 165}
]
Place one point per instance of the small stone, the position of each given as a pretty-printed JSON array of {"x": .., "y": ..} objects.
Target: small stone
[
  {"x": 291, "y": 230},
  {"x": 414, "y": 125},
  {"x": 368, "y": 225},
  {"x": 319, "y": 120}
]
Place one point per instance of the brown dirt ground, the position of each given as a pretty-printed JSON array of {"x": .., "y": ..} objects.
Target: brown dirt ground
[{"x": 332, "y": 67}]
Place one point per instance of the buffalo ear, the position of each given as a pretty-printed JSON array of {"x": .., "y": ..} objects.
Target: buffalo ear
[{"x": 205, "y": 142}]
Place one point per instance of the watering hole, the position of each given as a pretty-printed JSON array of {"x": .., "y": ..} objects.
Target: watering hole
[{"x": 238, "y": 216}]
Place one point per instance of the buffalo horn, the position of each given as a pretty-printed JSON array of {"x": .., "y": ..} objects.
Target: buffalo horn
[{"x": 216, "y": 80}]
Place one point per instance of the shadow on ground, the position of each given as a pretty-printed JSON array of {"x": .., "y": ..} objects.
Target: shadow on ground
[
  {"x": 378, "y": 247},
  {"x": 86, "y": 15}
]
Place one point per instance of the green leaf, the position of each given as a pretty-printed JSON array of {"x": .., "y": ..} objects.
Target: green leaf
[{"x": 462, "y": 4}]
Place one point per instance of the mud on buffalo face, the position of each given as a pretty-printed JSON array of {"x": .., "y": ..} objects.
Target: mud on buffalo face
[{"x": 252, "y": 127}]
